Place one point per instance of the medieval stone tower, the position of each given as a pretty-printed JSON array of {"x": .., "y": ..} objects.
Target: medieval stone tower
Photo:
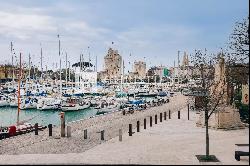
[{"x": 185, "y": 61}]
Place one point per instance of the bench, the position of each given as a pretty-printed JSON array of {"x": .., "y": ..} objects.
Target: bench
[{"x": 241, "y": 153}]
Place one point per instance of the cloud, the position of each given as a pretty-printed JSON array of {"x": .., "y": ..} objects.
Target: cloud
[
  {"x": 22, "y": 26},
  {"x": 170, "y": 34},
  {"x": 84, "y": 29}
]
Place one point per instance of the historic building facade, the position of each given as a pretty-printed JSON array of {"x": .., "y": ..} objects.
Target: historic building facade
[
  {"x": 112, "y": 66},
  {"x": 140, "y": 68}
]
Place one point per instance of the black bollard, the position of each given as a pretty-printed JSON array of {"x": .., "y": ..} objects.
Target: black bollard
[
  {"x": 50, "y": 129},
  {"x": 160, "y": 117},
  {"x": 85, "y": 134},
  {"x": 102, "y": 135},
  {"x": 169, "y": 114},
  {"x": 179, "y": 114},
  {"x": 165, "y": 116},
  {"x": 130, "y": 130},
  {"x": 123, "y": 112},
  {"x": 138, "y": 126},
  {"x": 36, "y": 128},
  {"x": 151, "y": 119},
  {"x": 145, "y": 123},
  {"x": 188, "y": 111},
  {"x": 155, "y": 119}
]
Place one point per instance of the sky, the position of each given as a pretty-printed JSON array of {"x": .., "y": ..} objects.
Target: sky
[{"x": 148, "y": 30}]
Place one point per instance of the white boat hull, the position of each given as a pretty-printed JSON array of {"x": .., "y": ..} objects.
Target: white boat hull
[
  {"x": 28, "y": 106},
  {"x": 84, "y": 106},
  {"x": 4, "y": 103},
  {"x": 70, "y": 108}
]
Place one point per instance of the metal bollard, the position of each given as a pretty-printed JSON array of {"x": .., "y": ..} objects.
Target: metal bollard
[
  {"x": 165, "y": 116},
  {"x": 85, "y": 134},
  {"x": 102, "y": 135},
  {"x": 50, "y": 129},
  {"x": 169, "y": 114},
  {"x": 62, "y": 115},
  {"x": 138, "y": 126},
  {"x": 179, "y": 114},
  {"x": 123, "y": 112},
  {"x": 155, "y": 119},
  {"x": 120, "y": 134},
  {"x": 160, "y": 117},
  {"x": 68, "y": 131},
  {"x": 130, "y": 130},
  {"x": 151, "y": 119},
  {"x": 188, "y": 111},
  {"x": 36, "y": 128},
  {"x": 145, "y": 123}
]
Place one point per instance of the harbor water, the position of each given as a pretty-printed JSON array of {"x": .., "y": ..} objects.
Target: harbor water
[{"x": 8, "y": 116}]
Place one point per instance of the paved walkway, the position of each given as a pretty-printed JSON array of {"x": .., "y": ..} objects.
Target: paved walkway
[{"x": 171, "y": 142}]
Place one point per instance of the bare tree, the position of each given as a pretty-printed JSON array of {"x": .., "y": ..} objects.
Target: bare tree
[
  {"x": 211, "y": 90},
  {"x": 239, "y": 42},
  {"x": 237, "y": 56}
]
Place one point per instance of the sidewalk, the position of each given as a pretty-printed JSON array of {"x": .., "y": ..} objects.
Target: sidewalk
[{"x": 175, "y": 141}]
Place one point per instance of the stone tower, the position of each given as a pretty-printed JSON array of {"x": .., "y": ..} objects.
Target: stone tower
[
  {"x": 140, "y": 68},
  {"x": 113, "y": 64},
  {"x": 185, "y": 61}
]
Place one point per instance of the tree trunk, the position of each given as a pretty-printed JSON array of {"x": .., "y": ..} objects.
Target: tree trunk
[{"x": 207, "y": 135}]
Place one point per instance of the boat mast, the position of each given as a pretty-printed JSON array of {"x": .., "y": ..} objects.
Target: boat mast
[
  {"x": 60, "y": 66},
  {"x": 80, "y": 70},
  {"x": 66, "y": 70},
  {"x": 96, "y": 63},
  {"x": 41, "y": 62},
  {"x": 89, "y": 58},
  {"x": 46, "y": 72},
  {"x": 178, "y": 66},
  {"x": 174, "y": 74},
  {"x": 11, "y": 49},
  {"x": 29, "y": 67},
  {"x": 19, "y": 80},
  {"x": 69, "y": 73}
]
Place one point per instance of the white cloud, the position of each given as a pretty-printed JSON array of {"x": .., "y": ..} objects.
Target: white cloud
[
  {"x": 81, "y": 28},
  {"x": 22, "y": 26},
  {"x": 145, "y": 36}
]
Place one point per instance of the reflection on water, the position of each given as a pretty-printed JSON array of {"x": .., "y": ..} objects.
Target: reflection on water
[{"x": 8, "y": 116}]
